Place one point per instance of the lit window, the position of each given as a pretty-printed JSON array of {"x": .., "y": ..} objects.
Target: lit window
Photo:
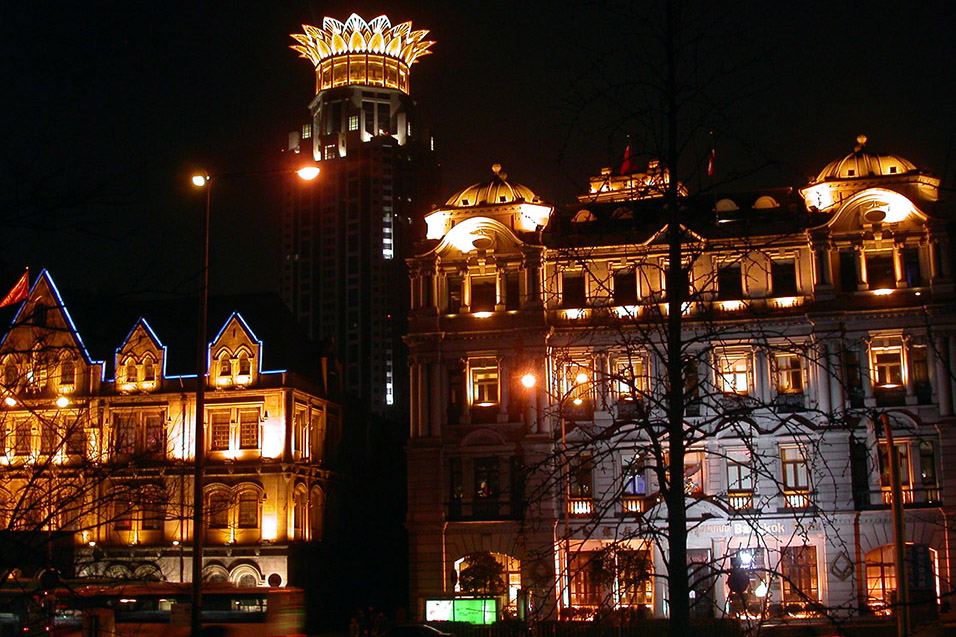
[
  {"x": 752, "y": 563},
  {"x": 219, "y": 424},
  {"x": 484, "y": 382},
  {"x": 67, "y": 372},
  {"x": 131, "y": 376},
  {"x": 353, "y": 122},
  {"x": 306, "y": 131},
  {"x": 124, "y": 434},
  {"x": 888, "y": 365},
  {"x": 486, "y": 478},
  {"x": 796, "y": 477},
  {"x": 631, "y": 380},
  {"x": 122, "y": 515},
  {"x": 694, "y": 473},
  {"x": 798, "y": 565},
  {"x": 577, "y": 384},
  {"x": 740, "y": 479},
  {"x": 733, "y": 373},
  {"x": 149, "y": 370},
  {"x": 225, "y": 368},
  {"x": 218, "y": 511},
  {"x": 789, "y": 374},
  {"x": 635, "y": 477},
  {"x": 245, "y": 366},
  {"x": 155, "y": 433},
  {"x": 249, "y": 429},
  {"x": 880, "y": 271}
]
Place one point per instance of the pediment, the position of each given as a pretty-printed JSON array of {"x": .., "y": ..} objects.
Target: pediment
[
  {"x": 876, "y": 206},
  {"x": 478, "y": 235}
]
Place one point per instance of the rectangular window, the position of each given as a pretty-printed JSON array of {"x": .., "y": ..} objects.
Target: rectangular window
[
  {"x": 586, "y": 573},
  {"x": 635, "y": 578},
  {"x": 76, "y": 439},
  {"x": 798, "y": 565},
  {"x": 789, "y": 374},
  {"x": 740, "y": 480},
  {"x": 486, "y": 478},
  {"x": 573, "y": 290},
  {"x": 752, "y": 561},
  {"x": 155, "y": 433},
  {"x": 796, "y": 476},
  {"x": 484, "y": 382},
  {"x": 880, "y": 273},
  {"x": 631, "y": 379},
  {"x": 353, "y": 122},
  {"x": 219, "y": 428},
  {"x": 249, "y": 429},
  {"x": 919, "y": 375},
  {"x": 122, "y": 515},
  {"x": 23, "y": 444},
  {"x": 453, "y": 303},
  {"x": 634, "y": 477},
  {"x": 888, "y": 367},
  {"x": 730, "y": 282},
  {"x": 733, "y": 373},
  {"x": 911, "y": 268},
  {"x": 625, "y": 287},
  {"x": 48, "y": 437},
  {"x": 512, "y": 291},
  {"x": 581, "y": 470},
  {"x": 483, "y": 294},
  {"x": 153, "y": 515},
  {"x": 694, "y": 473},
  {"x": 783, "y": 277},
  {"x": 125, "y": 433},
  {"x": 849, "y": 279},
  {"x": 902, "y": 450}
]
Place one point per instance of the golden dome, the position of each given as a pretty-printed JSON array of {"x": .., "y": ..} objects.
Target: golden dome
[
  {"x": 861, "y": 164},
  {"x": 497, "y": 191}
]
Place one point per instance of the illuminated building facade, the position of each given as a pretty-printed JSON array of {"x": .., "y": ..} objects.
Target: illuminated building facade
[
  {"x": 109, "y": 460},
  {"x": 534, "y": 342},
  {"x": 345, "y": 240}
]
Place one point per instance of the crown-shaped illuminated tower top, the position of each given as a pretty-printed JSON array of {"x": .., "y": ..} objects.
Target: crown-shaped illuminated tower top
[{"x": 372, "y": 53}]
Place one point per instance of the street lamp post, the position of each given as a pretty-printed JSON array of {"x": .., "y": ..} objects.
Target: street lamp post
[{"x": 203, "y": 180}]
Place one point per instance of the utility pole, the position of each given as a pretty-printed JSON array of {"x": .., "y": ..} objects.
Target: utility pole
[{"x": 902, "y": 576}]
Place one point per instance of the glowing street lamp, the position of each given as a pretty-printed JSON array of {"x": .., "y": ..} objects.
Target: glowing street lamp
[{"x": 203, "y": 180}]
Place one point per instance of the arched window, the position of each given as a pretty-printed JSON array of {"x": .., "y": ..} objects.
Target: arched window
[
  {"x": 316, "y": 511},
  {"x": 881, "y": 585},
  {"x": 131, "y": 376},
  {"x": 149, "y": 370},
  {"x": 219, "y": 510},
  {"x": 225, "y": 366},
  {"x": 247, "y": 581},
  {"x": 245, "y": 368},
  {"x": 67, "y": 372},
  {"x": 10, "y": 374},
  {"x": 248, "y": 510},
  {"x": 300, "y": 514}
]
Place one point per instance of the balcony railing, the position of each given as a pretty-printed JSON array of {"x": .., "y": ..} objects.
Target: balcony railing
[
  {"x": 636, "y": 504},
  {"x": 582, "y": 411},
  {"x": 630, "y": 409},
  {"x": 889, "y": 396},
  {"x": 742, "y": 501},
  {"x": 927, "y": 496},
  {"x": 483, "y": 509},
  {"x": 789, "y": 403},
  {"x": 796, "y": 499},
  {"x": 735, "y": 402},
  {"x": 581, "y": 507}
]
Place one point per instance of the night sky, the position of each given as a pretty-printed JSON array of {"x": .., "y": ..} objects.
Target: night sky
[{"x": 108, "y": 107}]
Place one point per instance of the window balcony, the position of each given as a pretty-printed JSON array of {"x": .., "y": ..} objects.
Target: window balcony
[
  {"x": 482, "y": 509},
  {"x": 636, "y": 504},
  {"x": 580, "y": 507},
  {"x": 796, "y": 499},
  {"x": 582, "y": 411},
  {"x": 741, "y": 501},
  {"x": 735, "y": 403},
  {"x": 789, "y": 403},
  {"x": 889, "y": 395},
  {"x": 928, "y": 496},
  {"x": 630, "y": 409}
]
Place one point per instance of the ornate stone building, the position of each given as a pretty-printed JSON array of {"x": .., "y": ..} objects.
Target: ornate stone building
[
  {"x": 537, "y": 381},
  {"x": 100, "y": 451}
]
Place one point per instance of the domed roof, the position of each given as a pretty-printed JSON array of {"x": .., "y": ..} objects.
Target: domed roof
[
  {"x": 498, "y": 190},
  {"x": 862, "y": 164}
]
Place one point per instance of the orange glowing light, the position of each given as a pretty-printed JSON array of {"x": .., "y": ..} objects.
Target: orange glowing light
[{"x": 529, "y": 380}]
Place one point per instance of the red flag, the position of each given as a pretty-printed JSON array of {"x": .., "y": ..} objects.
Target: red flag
[
  {"x": 710, "y": 161},
  {"x": 627, "y": 164},
  {"x": 18, "y": 292}
]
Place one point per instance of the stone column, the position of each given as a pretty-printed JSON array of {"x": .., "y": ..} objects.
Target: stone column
[
  {"x": 465, "y": 292},
  {"x": 414, "y": 397},
  {"x": 835, "y": 378},
  {"x": 504, "y": 388},
  {"x": 898, "y": 265},
  {"x": 500, "y": 289},
  {"x": 941, "y": 371},
  {"x": 863, "y": 281},
  {"x": 763, "y": 389},
  {"x": 435, "y": 404}
]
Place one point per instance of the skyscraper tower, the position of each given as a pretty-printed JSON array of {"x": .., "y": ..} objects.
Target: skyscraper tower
[{"x": 344, "y": 242}]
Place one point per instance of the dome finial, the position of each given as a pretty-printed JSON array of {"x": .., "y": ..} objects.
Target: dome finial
[
  {"x": 496, "y": 168},
  {"x": 860, "y": 143}
]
